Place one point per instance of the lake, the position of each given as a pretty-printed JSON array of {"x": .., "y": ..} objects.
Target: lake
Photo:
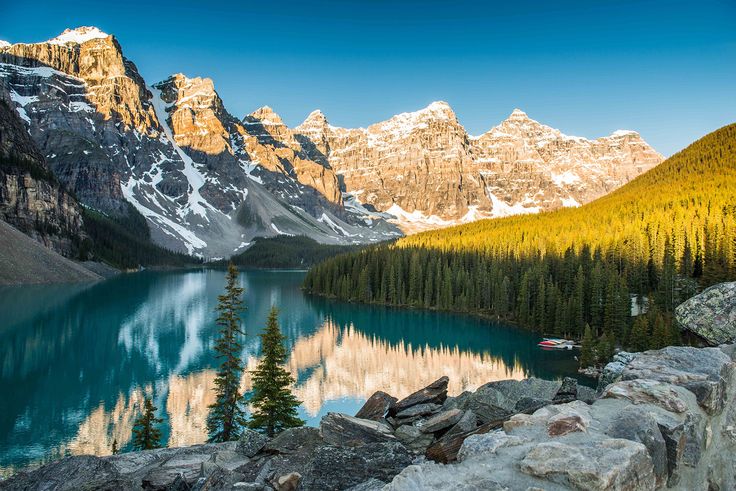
[{"x": 77, "y": 360}]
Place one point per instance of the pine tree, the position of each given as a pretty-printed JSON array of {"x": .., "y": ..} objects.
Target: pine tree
[
  {"x": 639, "y": 335},
  {"x": 605, "y": 348},
  {"x": 587, "y": 349},
  {"x": 145, "y": 434},
  {"x": 115, "y": 449},
  {"x": 227, "y": 417},
  {"x": 275, "y": 405}
]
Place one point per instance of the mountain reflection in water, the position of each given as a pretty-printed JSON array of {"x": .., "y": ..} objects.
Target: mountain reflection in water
[{"x": 77, "y": 362}]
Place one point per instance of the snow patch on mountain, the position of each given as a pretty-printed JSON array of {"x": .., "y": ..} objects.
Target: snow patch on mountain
[{"x": 78, "y": 36}]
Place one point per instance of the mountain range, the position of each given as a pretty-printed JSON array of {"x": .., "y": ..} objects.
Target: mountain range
[{"x": 208, "y": 183}]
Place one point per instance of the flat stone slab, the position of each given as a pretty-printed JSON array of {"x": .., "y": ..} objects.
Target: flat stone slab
[
  {"x": 347, "y": 431},
  {"x": 434, "y": 393},
  {"x": 442, "y": 420},
  {"x": 377, "y": 406}
]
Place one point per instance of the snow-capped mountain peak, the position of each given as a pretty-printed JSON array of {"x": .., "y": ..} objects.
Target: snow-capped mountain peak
[
  {"x": 4, "y": 44},
  {"x": 79, "y": 35}
]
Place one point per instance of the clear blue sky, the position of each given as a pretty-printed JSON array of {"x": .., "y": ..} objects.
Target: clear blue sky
[{"x": 588, "y": 67}]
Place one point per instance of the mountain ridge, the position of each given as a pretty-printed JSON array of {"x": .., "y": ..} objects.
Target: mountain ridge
[{"x": 208, "y": 182}]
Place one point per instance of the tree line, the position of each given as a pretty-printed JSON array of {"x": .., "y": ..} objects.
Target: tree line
[{"x": 643, "y": 248}]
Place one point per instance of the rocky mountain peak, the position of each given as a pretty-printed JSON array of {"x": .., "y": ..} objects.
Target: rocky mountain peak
[
  {"x": 185, "y": 91},
  {"x": 518, "y": 115},
  {"x": 315, "y": 119},
  {"x": 265, "y": 116},
  {"x": 79, "y": 35},
  {"x": 4, "y": 44}
]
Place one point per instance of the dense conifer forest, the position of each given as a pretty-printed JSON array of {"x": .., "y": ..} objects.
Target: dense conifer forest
[
  {"x": 645, "y": 247},
  {"x": 285, "y": 251},
  {"x": 125, "y": 242}
]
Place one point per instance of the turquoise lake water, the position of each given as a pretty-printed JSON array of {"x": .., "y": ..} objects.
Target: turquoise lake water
[{"x": 76, "y": 360}]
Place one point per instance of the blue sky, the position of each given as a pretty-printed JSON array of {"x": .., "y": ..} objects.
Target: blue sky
[{"x": 664, "y": 68}]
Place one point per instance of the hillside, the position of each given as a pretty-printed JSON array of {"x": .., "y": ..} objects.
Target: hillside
[
  {"x": 661, "y": 236},
  {"x": 23, "y": 260}
]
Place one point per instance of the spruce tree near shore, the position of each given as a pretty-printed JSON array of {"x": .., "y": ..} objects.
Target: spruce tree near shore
[
  {"x": 145, "y": 434},
  {"x": 227, "y": 417},
  {"x": 275, "y": 405}
]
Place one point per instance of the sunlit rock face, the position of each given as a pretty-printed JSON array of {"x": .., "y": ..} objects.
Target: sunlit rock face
[{"x": 424, "y": 169}]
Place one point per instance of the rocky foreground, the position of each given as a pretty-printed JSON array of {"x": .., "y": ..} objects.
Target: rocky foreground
[{"x": 663, "y": 418}]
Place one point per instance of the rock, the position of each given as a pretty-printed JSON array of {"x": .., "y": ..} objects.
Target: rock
[
  {"x": 467, "y": 423},
  {"x": 294, "y": 440},
  {"x": 249, "y": 486},
  {"x": 586, "y": 394},
  {"x": 567, "y": 424},
  {"x": 376, "y": 407},
  {"x": 347, "y": 431},
  {"x": 288, "y": 482},
  {"x": 434, "y": 393},
  {"x": 369, "y": 485},
  {"x": 220, "y": 479},
  {"x": 418, "y": 410},
  {"x": 442, "y": 421},
  {"x": 703, "y": 371},
  {"x": 607, "y": 465},
  {"x": 446, "y": 449},
  {"x": 528, "y": 405},
  {"x": 488, "y": 443},
  {"x": 638, "y": 425},
  {"x": 711, "y": 315},
  {"x": 339, "y": 468},
  {"x": 458, "y": 401},
  {"x": 567, "y": 392},
  {"x": 70, "y": 474},
  {"x": 644, "y": 391},
  {"x": 251, "y": 442},
  {"x": 413, "y": 438},
  {"x": 497, "y": 400}
]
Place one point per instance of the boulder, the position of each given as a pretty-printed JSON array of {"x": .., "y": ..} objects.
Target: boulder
[
  {"x": 434, "y": 393},
  {"x": 418, "y": 410},
  {"x": 446, "y": 449},
  {"x": 567, "y": 392},
  {"x": 339, "y": 468},
  {"x": 703, "y": 371},
  {"x": 287, "y": 482},
  {"x": 637, "y": 424},
  {"x": 347, "y": 431},
  {"x": 294, "y": 440},
  {"x": 220, "y": 479},
  {"x": 413, "y": 438},
  {"x": 585, "y": 394},
  {"x": 70, "y": 474},
  {"x": 369, "y": 485},
  {"x": 497, "y": 400},
  {"x": 251, "y": 442},
  {"x": 442, "y": 421},
  {"x": 645, "y": 391},
  {"x": 711, "y": 315},
  {"x": 467, "y": 423},
  {"x": 376, "y": 407},
  {"x": 606, "y": 465}
]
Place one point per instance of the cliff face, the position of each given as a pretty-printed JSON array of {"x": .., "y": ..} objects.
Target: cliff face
[{"x": 31, "y": 198}]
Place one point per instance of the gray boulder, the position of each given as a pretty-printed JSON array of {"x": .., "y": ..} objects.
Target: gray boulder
[
  {"x": 251, "y": 442},
  {"x": 70, "y": 474},
  {"x": 434, "y": 393},
  {"x": 339, "y": 468},
  {"x": 347, "y": 431},
  {"x": 442, "y": 421},
  {"x": 497, "y": 400},
  {"x": 413, "y": 438},
  {"x": 711, "y": 315},
  {"x": 377, "y": 406},
  {"x": 637, "y": 424}
]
